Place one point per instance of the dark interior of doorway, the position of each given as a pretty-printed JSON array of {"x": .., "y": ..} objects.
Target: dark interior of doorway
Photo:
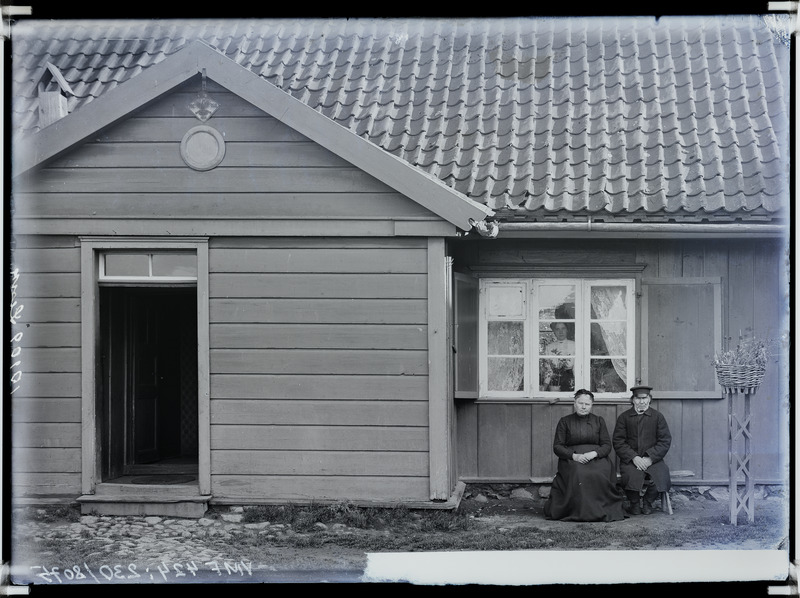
[{"x": 148, "y": 389}]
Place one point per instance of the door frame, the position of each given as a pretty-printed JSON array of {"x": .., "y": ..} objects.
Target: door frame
[{"x": 91, "y": 427}]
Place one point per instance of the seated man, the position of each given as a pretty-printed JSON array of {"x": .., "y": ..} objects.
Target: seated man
[{"x": 641, "y": 439}]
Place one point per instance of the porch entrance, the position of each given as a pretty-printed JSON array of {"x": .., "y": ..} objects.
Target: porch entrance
[{"x": 148, "y": 384}]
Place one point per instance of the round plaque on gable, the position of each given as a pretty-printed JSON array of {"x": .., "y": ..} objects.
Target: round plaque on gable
[{"x": 202, "y": 148}]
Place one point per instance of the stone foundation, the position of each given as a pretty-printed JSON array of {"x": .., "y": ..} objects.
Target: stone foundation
[{"x": 677, "y": 493}]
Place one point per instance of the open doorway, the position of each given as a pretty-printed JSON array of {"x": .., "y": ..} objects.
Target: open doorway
[{"x": 148, "y": 390}]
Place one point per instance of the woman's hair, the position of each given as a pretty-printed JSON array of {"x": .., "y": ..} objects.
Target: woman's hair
[{"x": 583, "y": 391}]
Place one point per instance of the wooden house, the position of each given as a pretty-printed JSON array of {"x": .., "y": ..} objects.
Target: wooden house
[{"x": 294, "y": 261}]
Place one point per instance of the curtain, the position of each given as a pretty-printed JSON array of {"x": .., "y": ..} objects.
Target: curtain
[{"x": 608, "y": 303}]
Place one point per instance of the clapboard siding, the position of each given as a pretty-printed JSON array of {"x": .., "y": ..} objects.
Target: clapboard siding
[
  {"x": 341, "y": 463},
  {"x": 312, "y": 286},
  {"x": 322, "y": 311},
  {"x": 307, "y": 261},
  {"x": 318, "y": 437},
  {"x": 131, "y": 179},
  {"x": 340, "y": 361},
  {"x": 315, "y": 386},
  {"x": 46, "y": 435},
  {"x": 236, "y": 412},
  {"x": 45, "y": 402},
  {"x": 255, "y": 489},
  {"x": 46, "y": 410},
  {"x": 220, "y": 180},
  {"x": 47, "y": 460},
  {"x": 376, "y": 336},
  {"x": 46, "y": 485},
  {"x": 327, "y": 402},
  {"x": 225, "y": 205},
  {"x": 51, "y": 360},
  {"x": 753, "y": 302}
]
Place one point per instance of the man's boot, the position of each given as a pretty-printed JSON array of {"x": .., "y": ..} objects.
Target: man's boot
[
  {"x": 633, "y": 499},
  {"x": 647, "y": 501}
]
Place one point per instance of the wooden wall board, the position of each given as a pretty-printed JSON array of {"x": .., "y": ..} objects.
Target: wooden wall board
[
  {"x": 320, "y": 311},
  {"x": 320, "y": 463},
  {"x": 25, "y": 485},
  {"x": 319, "y": 361},
  {"x": 319, "y": 488},
  {"x": 467, "y": 438},
  {"x": 45, "y": 410},
  {"x": 229, "y": 204},
  {"x": 42, "y": 310},
  {"x": 334, "y": 335},
  {"x": 46, "y": 435},
  {"x": 319, "y": 412},
  {"x": 340, "y": 260},
  {"x": 50, "y": 360},
  {"x": 264, "y": 437},
  {"x": 319, "y": 285},
  {"x": 277, "y": 386},
  {"x": 49, "y": 384},
  {"x": 47, "y": 460}
]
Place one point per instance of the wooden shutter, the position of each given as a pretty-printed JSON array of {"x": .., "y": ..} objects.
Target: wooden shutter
[
  {"x": 465, "y": 336},
  {"x": 681, "y": 330}
]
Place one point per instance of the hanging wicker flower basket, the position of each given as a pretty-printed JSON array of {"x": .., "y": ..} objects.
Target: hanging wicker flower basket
[
  {"x": 742, "y": 369},
  {"x": 737, "y": 377}
]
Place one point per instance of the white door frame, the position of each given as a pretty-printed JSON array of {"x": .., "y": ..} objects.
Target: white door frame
[{"x": 91, "y": 248}]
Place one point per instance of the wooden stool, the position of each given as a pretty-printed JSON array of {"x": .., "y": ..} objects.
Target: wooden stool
[{"x": 666, "y": 503}]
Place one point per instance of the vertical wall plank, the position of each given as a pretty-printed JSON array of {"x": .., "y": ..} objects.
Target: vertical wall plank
[
  {"x": 692, "y": 436},
  {"x": 770, "y": 403},
  {"x": 543, "y": 427},
  {"x": 715, "y": 413},
  {"x": 504, "y": 441},
  {"x": 438, "y": 353},
  {"x": 672, "y": 410},
  {"x": 467, "y": 434}
]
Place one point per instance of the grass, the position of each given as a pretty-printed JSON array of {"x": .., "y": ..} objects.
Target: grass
[{"x": 306, "y": 518}]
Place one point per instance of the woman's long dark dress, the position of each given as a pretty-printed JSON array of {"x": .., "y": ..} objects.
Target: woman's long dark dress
[{"x": 584, "y": 491}]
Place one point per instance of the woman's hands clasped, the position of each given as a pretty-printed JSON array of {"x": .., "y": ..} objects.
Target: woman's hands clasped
[{"x": 584, "y": 457}]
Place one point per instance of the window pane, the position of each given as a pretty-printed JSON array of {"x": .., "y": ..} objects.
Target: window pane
[
  {"x": 608, "y": 375},
  {"x": 608, "y": 303},
  {"x": 506, "y": 300},
  {"x": 506, "y": 338},
  {"x": 609, "y": 338},
  {"x": 556, "y": 374},
  {"x": 174, "y": 264},
  {"x": 506, "y": 373},
  {"x": 127, "y": 264},
  {"x": 557, "y": 302},
  {"x": 557, "y": 338}
]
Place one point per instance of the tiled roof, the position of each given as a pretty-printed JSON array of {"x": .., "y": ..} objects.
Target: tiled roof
[{"x": 618, "y": 116}]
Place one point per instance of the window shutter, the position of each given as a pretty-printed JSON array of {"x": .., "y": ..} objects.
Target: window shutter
[
  {"x": 681, "y": 331},
  {"x": 466, "y": 336}
]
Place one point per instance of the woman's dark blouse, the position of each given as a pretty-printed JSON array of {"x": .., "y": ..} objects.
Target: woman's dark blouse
[{"x": 574, "y": 429}]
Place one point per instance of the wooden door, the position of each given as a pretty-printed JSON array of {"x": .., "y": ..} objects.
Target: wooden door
[{"x": 154, "y": 375}]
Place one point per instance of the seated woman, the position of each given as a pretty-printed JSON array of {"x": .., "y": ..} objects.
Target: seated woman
[{"x": 585, "y": 486}]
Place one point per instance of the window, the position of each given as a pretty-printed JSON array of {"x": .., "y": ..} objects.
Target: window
[
  {"x": 167, "y": 266},
  {"x": 547, "y": 337}
]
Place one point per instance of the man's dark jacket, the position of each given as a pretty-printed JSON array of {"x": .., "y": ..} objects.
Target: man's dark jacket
[{"x": 645, "y": 435}]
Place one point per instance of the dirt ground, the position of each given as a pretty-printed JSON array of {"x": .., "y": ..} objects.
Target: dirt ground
[
  {"x": 690, "y": 511},
  {"x": 698, "y": 522}
]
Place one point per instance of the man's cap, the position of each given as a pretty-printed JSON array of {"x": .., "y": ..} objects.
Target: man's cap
[{"x": 641, "y": 390}]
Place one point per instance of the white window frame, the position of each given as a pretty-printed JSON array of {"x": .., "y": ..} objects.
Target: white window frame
[
  {"x": 582, "y": 339},
  {"x": 152, "y": 278}
]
